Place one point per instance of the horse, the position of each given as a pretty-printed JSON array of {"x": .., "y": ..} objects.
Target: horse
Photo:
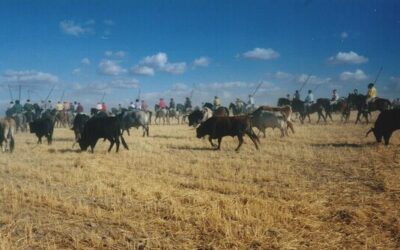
[
  {"x": 61, "y": 119},
  {"x": 305, "y": 111},
  {"x": 174, "y": 113},
  {"x": 161, "y": 114},
  {"x": 340, "y": 106},
  {"x": 20, "y": 122},
  {"x": 283, "y": 102},
  {"x": 358, "y": 101}
]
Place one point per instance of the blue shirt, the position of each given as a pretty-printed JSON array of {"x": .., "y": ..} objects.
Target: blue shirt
[{"x": 309, "y": 98}]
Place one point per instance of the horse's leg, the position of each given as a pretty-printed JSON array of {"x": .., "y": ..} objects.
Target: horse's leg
[{"x": 358, "y": 116}]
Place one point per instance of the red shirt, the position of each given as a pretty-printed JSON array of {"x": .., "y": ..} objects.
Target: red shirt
[
  {"x": 103, "y": 107},
  {"x": 162, "y": 104}
]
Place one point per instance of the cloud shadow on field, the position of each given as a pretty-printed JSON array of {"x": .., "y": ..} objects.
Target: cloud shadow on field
[
  {"x": 192, "y": 148},
  {"x": 343, "y": 145},
  {"x": 169, "y": 137}
]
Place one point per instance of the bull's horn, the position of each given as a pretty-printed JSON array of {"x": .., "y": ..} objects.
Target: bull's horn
[{"x": 369, "y": 131}]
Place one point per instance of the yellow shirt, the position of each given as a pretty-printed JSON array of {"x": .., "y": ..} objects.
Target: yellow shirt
[
  {"x": 217, "y": 102},
  {"x": 372, "y": 92},
  {"x": 59, "y": 106}
]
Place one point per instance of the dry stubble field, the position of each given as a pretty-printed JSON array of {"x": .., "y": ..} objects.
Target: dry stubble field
[{"x": 326, "y": 187}]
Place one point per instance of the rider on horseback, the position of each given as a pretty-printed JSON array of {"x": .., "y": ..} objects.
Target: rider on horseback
[
  {"x": 216, "y": 102},
  {"x": 309, "y": 100},
  {"x": 172, "y": 105},
  {"x": 162, "y": 104},
  {"x": 371, "y": 94},
  {"x": 59, "y": 106},
  {"x": 28, "y": 107},
  {"x": 188, "y": 104},
  {"x": 138, "y": 105},
  {"x": 17, "y": 108},
  {"x": 144, "y": 105},
  {"x": 335, "y": 97},
  {"x": 251, "y": 102},
  {"x": 296, "y": 95}
]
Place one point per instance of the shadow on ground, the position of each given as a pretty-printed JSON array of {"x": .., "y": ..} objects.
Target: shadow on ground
[
  {"x": 192, "y": 148},
  {"x": 168, "y": 137},
  {"x": 343, "y": 145}
]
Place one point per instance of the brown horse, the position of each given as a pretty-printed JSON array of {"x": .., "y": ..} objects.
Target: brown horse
[{"x": 359, "y": 103}]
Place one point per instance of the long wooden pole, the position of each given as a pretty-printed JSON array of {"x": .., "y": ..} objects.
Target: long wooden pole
[
  {"x": 377, "y": 76},
  {"x": 305, "y": 82},
  {"x": 9, "y": 89},
  {"x": 258, "y": 87},
  {"x": 19, "y": 92},
  {"x": 102, "y": 98},
  {"x": 48, "y": 95}
]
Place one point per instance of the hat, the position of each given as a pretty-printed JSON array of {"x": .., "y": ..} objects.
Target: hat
[{"x": 370, "y": 85}]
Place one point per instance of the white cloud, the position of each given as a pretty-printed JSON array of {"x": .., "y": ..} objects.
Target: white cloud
[
  {"x": 280, "y": 75},
  {"x": 348, "y": 58},
  {"x": 29, "y": 77},
  {"x": 313, "y": 79},
  {"x": 109, "y": 22},
  {"x": 124, "y": 83},
  {"x": 175, "y": 68},
  {"x": 201, "y": 62},
  {"x": 90, "y": 22},
  {"x": 344, "y": 35},
  {"x": 179, "y": 87},
  {"x": 110, "y": 67},
  {"x": 117, "y": 54},
  {"x": 143, "y": 70},
  {"x": 261, "y": 54},
  {"x": 85, "y": 61},
  {"x": 69, "y": 27},
  {"x": 358, "y": 75},
  {"x": 158, "y": 60},
  {"x": 76, "y": 71}
]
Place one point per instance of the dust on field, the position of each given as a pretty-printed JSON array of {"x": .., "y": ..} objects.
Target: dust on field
[{"x": 327, "y": 186}]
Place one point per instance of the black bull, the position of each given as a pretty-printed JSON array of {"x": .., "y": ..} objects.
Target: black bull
[
  {"x": 102, "y": 127},
  {"x": 387, "y": 122}
]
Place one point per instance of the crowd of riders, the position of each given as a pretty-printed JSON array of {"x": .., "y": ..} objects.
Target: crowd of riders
[
  {"x": 76, "y": 107},
  {"x": 15, "y": 108}
]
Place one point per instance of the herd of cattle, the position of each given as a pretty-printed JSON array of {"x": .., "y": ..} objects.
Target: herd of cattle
[{"x": 214, "y": 123}]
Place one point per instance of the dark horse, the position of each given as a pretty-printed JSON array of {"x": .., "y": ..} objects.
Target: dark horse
[
  {"x": 304, "y": 111},
  {"x": 284, "y": 101},
  {"x": 359, "y": 103},
  {"x": 341, "y": 106}
]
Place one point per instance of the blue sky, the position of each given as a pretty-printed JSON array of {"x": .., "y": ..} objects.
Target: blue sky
[{"x": 169, "y": 48}]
